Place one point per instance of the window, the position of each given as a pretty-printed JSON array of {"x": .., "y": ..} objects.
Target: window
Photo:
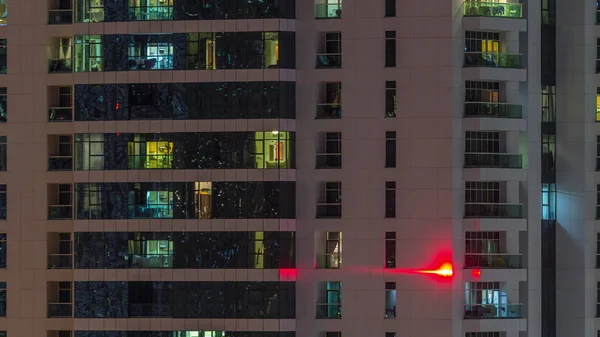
[
  {"x": 89, "y": 10},
  {"x": 3, "y": 151},
  {"x": 481, "y": 248},
  {"x": 3, "y": 250},
  {"x": 150, "y": 154},
  {"x": 329, "y": 250},
  {"x": 488, "y": 92},
  {"x": 150, "y": 52},
  {"x": 482, "y": 42},
  {"x": 390, "y": 199},
  {"x": 598, "y": 250},
  {"x": 549, "y": 104},
  {"x": 3, "y": 13},
  {"x": 548, "y": 201},
  {"x": 390, "y": 300},
  {"x": 60, "y": 104},
  {"x": 60, "y": 201},
  {"x": 3, "y": 105},
  {"x": 150, "y": 10},
  {"x": 89, "y": 151},
  {"x": 328, "y": 9},
  {"x": 390, "y": 99},
  {"x": 330, "y": 156},
  {"x": 390, "y": 249},
  {"x": 329, "y": 55},
  {"x": 3, "y": 59},
  {"x": 485, "y": 334},
  {"x": 2, "y": 299},
  {"x": 597, "y": 55},
  {"x": 598, "y": 202},
  {"x": 2, "y": 202},
  {"x": 153, "y": 252},
  {"x": 60, "y": 250},
  {"x": 60, "y": 55},
  {"x": 548, "y": 151},
  {"x": 484, "y": 192},
  {"x": 390, "y": 8},
  {"x": 333, "y": 334},
  {"x": 329, "y": 300},
  {"x": 60, "y": 299},
  {"x": 482, "y": 142},
  {"x": 89, "y": 53},
  {"x": 390, "y": 149},
  {"x": 390, "y": 48},
  {"x": 598, "y": 299},
  {"x": 330, "y": 101},
  {"x": 146, "y": 202},
  {"x": 390, "y": 334},
  {"x": 330, "y": 200}
]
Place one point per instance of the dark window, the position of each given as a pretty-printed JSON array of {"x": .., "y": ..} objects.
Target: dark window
[
  {"x": 390, "y": 334},
  {"x": 3, "y": 105},
  {"x": 390, "y": 149},
  {"x": 3, "y": 151},
  {"x": 3, "y": 250},
  {"x": 3, "y": 202},
  {"x": 597, "y": 55},
  {"x": 390, "y": 48},
  {"x": 179, "y": 333},
  {"x": 333, "y": 334},
  {"x": 2, "y": 299},
  {"x": 390, "y": 199},
  {"x": 390, "y": 99},
  {"x": 251, "y": 300},
  {"x": 390, "y": 8},
  {"x": 329, "y": 204},
  {"x": 3, "y": 60},
  {"x": 484, "y": 334},
  {"x": 330, "y": 156},
  {"x": 390, "y": 249}
]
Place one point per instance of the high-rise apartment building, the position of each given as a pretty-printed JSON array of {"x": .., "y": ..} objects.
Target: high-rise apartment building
[{"x": 299, "y": 168}]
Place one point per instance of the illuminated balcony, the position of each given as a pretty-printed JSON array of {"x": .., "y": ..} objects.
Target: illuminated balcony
[
  {"x": 493, "y": 210},
  {"x": 60, "y": 57},
  {"x": 493, "y": 160},
  {"x": 497, "y": 260},
  {"x": 151, "y": 13},
  {"x": 329, "y": 261},
  {"x": 493, "y": 311},
  {"x": 493, "y": 9},
  {"x": 329, "y": 60},
  {"x": 493, "y": 109},
  {"x": 328, "y": 11},
  {"x": 493, "y": 60},
  {"x": 329, "y": 300},
  {"x": 150, "y": 260}
]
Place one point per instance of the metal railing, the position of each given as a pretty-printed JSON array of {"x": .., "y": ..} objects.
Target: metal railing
[
  {"x": 329, "y": 261},
  {"x": 496, "y": 260},
  {"x": 164, "y": 62},
  {"x": 57, "y": 66},
  {"x": 151, "y": 13},
  {"x": 493, "y": 210},
  {"x": 329, "y": 210},
  {"x": 60, "y": 261},
  {"x": 332, "y": 60},
  {"x": 60, "y": 163},
  {"x": 60, "y": 16},
  {"x": 329, "y": 311},
  {"x": 60, "y": 310},
  {"x": 329, "y": 111},
  {"x": 487, "y": 311},
  {"x": 492, "y": 60},
  {"x": 329, "y": 160},
  {"x": 60, "y": 114},
  {"x": 493, "y": 160},
  {"x": 60, "y": 212},
  {"x": 492, "y": 109},
  {"x": 493, "y": 9},
  {"x": 328, "y": 11}
]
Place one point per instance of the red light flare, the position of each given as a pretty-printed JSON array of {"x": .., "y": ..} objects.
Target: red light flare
[
  {"x": 476, "y": 273},
  {"x": 445, "y": 270},
  {"x": 288, "y": 274}
]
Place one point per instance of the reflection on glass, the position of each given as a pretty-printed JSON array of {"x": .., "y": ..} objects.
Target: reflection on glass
[
  {"x": 203, "y": 196},
  {"x": 271, "y": 50},
  {"x": 3, "y": 13},
  {"x": 88, "y": 53},
  {"x": 144, "y": 253},
  {"x": 272, "y": 149},
  {"x": 150, "y": 56},
  {"x": 89, "y": 10},
  {"x": 89, "y": 151},
  {"x": 150, "y": 10},
  {"x": 150, "y": 204},
  {"x": 200, "y": 51},
  {"x": 150, "y": 154}
]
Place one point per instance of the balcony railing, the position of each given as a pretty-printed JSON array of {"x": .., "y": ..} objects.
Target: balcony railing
[
  {"x": 60, "y": 261},
  {"x": 329, "y": 261},
  {"x": 329, "y": 310},
  {"x": 332, "y": 60},
  {"x": 487, "y": 311},
  {"x": 151, "y": 13},
  {"x": 327, "y": 210},
  {"x": 328, "y": 11},
  {"x": 164, "y": 62},
  {"x": 493, "y": 110},
  {"x": 60, "y": 310},
  {"x": 329, "y": 111},
  {"x": 59, "y": 163},
  {"x": 493, "y": 210},
  {"x": 498, "y": 260},
  {"x": 57, "y": 66},
  {"x": 494, "y": 160},
  {"x": 150, "y": 261},
  {"x": 60, "y": 16},
  {"x": 60, "y": 114},
  {"x": 492, "y": 60},
  {"x": 60, "y": 212},
  {"x": 329, "y": 160},
  {"x": 493, "y": 9}
]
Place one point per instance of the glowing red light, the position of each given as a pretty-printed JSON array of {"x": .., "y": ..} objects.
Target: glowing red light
[
  {"x": 117, "y": 106},
  {"x": 288, "y": 274},
  {"x": 445, "y": 270},
  {"x": 476, "y": 273}
]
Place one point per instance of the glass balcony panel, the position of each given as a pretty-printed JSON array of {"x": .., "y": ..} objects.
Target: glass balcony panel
[
  {"x": 492, "y": 60},
  {"x": 60, "y": 114},
  {"x": 60, "y": 261},
  {"x": 328, "y": 11},
  {"x": 60, "y": 212},
  {"x": 57, "y": 66},
  {"x": 151, "y": 13},
  {"x": 502, "y": 261},
  {"x": 60, "y": 310},
  {"x": 329, "y": 261},
  {"x": 329, "y": 210},
  {"x": 164, "y": 211},
  {"x": 151, "y": 62},
  {"x": 493, "y": 9},
  {"x": 487, "y": 311},
  {"x": 597, "y": 17},
  {"x": 60, "y": 16},
  {"x": 60, "y": 163},
  {"x": 151, "y": 261},
  {"x": 493, "y": 160},
  {"x": 492, "y": 210},
  {"x": 329, "y": 111},
  {"x": 329, "y": 310},
  {"x": 329, "y": 61},
  {"x": 329, "y": 160},
  {"x": 491, "y": 109}
]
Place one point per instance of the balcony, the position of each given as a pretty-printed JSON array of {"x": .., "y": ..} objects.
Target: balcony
[
  {"x": 59, "y": 66},
  {"x": 329, "y": 61},
  {"x": 493, "y": 210},
  {"x": 493, "y": 9},
  {"x": 60, "y": 16},
  {"x": 60, "y": 114},
  {"x": 329, "y": 310},
  {"x": 151, "y": 261},
  {"x": 329, "y": 111},
  {"x": 56, "y": 310},
  {"x": 329, "y": 160},
  {"x": 492, "y": 60},
  {"x": 329, "y": 261},
  {"x": 497, "y": 260},
  {"x": 60, "y": 212},
  {"x": 57, "y": 163},
  {"x": 493, "y": 110},
  {"x": 329, "y": 210},
  {"x": 151, "y": 13},
  {"x": 328, "y": 11},
  {"x": 493, "y": 311},
  {"x": 164, "y": 62},
  {"x": 60, "y": 261},
  {"x": 493, "y": 160},
  {"x": 598, "y": 17}
]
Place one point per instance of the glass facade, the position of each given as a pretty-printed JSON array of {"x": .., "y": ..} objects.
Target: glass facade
[
  {"x": 2, "y": 299},
  {"x": 3, "y": 250},
  {"x": 2, "y": 202},
  {"x": 186, "y": 200},
  {"x": 191, "y": 51},
  {"x": 148, "y": 10},
  {"x": 216, "y": 100},
  {"x": 184, "y": 250},
  {"x": 192, "y": 151},
  {"x": 262, "y": 300},
  {"x": 187, "y": 333}
]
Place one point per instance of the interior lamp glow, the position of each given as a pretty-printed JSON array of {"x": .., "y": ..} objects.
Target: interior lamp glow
[{"x": 445, "y": 270}]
